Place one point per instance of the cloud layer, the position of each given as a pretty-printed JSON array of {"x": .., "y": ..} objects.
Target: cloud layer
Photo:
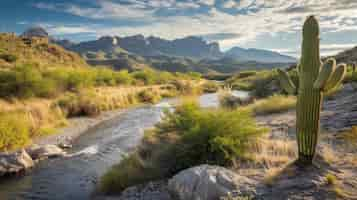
[{"x": 231, "y": 22}]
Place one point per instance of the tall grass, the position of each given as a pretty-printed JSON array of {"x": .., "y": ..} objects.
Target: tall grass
[
  {"x": 273, "y": 104},
  {"x": 14, "y": 130},
  {"x": 27, "y": 81}
]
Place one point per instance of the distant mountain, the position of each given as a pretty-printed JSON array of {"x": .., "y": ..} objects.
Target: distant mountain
[
  {"x": 180, "y": 55},
  {"x": 192, "y": 47},
  {"x": 35, "y": 32},
  {"x": 258, "y": 55}
]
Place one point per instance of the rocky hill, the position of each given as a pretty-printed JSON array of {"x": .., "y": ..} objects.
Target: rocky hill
[
  {"x": 347, "y": 56},
  {"x": 15, "y": 50}
]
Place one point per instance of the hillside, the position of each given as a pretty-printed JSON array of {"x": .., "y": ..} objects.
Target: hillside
[
  {"x": 258, "y": 55},
  {"x": 16, "y": 50},
  {"x": 347, "y": 56}
]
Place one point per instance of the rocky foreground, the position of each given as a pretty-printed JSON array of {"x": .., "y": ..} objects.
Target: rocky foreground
[{"x": 274, "y": 176}]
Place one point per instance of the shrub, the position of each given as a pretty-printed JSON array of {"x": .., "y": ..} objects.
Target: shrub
[
  {"x": 149, "y": 96},
  {"x": 210, "y": 87},
  {"x": 130, "y": 171},
  {"x": 105, "y": 77},
  {"x": 209, "y": 135},
  {"x": 187, "y": 137},
  {"x": 123, "y": 77},
  {"x": 186, "y": 87},
  {"x": 146, "y": 77},
  {"x": 82, "y": 104},
  {"x": 227, "y": 100},
  {"x": 14, "y": 131},
  {"x": 8, "y": 57}
]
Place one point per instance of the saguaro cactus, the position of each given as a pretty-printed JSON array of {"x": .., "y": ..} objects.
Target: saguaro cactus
[{"x": 315, "y": 78}]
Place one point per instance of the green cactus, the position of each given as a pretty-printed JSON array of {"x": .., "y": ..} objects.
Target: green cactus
[{"x": 315, "y": 78}]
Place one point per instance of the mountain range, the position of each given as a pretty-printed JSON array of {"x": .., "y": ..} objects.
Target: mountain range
[{"x": 185, "y": 54}]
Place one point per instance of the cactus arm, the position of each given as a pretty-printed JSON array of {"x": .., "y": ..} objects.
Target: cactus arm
[
  {"x": 286, "y": 82},
  {"x": 337, "y": 77},
  {"x": 325, "y": 74}
]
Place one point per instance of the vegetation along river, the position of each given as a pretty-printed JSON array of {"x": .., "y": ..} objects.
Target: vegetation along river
[{"x": 94, "y": 152}]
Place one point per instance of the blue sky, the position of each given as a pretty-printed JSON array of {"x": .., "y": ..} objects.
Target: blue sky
[{"x": 266, "y": 24}]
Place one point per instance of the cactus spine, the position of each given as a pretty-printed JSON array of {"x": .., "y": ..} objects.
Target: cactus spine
[{"x": 315, "y": 78}]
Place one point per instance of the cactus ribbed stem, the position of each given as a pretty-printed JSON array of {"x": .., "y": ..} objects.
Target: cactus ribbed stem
[{"x": 313, "y": 81}]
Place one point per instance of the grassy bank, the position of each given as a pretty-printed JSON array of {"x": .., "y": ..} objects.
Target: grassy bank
[
  {"x": 44, "y": 98},
  {"x": 187, "y": 137}
]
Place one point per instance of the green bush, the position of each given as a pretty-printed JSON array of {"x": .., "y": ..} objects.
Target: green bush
[
  {"x": 209, "y": 135},
  {"x": 227, "y": 100},
  {"x": 123, "y": 78},
  {"x": 8, "y": 57},
  {"x": 149, "y": 96},
  {"x": 210, "y": 87},
  {"x": 130, "y": 171},
  {"x": 187, "y": 137},
  {"x": 14, "y": 131},
  {"x": 105, "y": 77},
  {"x": 147, "y": 77},
  {"x": 81, "y": 104}
]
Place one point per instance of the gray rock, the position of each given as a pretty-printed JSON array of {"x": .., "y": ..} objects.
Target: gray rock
[
  {"x": 207, "y": 182},
  {"x": 15, "y": 162},
  {"x": 47, "y": 151}
]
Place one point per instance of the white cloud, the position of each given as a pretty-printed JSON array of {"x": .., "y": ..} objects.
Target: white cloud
[
  {"x": 229, "y": 4},
  {"x": 207, "y": 2},
  {"x": 269, "y": 17}
]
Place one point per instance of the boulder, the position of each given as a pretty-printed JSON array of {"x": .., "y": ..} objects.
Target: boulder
[
  {"x": 47, "y": 151},
  {"x": 11, "y": 163},
  {"x": 206, "y": 182}
]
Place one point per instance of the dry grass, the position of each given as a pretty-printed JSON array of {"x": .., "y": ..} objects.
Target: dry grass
[
  {"x": 273, "y": 104},
  {"x": 273, "y": 153},
  {"x": 45, "y": 115}
]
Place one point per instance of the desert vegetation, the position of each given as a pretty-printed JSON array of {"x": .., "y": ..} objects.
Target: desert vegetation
[
  {"x": 186, "y": 137},
  {"x": 43, "y": 84}
]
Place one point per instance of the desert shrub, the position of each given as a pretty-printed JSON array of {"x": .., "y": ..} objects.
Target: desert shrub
[
  {"x": 273, "y": 104},
  {"x": 14, "y": 131},
  {"x": 149, "y": 96},
  {"x": 260, "y": 83},
  {"x": 82, "y": 104},
  {"x": 266, "y": 85},
  {"x": 123, "y": 77},
  {"x": 209, "y": 135},
  {"x": 8, "y": 57},
  {"x": 210, "y": 87},
  {"x": 186, "y": 87},
  {"x": 130, "y": 171},
  {"x": 147, "y": 77},
  {"x": 105, "y": 77},
  {"x": 79, "y": 79},
  {"x": 227, "y": 100},
  {"x": 186, "y": 137}
]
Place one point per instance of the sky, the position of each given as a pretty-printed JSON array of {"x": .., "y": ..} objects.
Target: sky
[{"x": 265, "y": 24}]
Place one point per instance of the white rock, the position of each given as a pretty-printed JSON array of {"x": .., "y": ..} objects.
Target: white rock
[{"x": 207, "y": 182}]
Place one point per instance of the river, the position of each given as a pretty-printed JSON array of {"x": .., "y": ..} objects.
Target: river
[{"x": 94, "y": 152}]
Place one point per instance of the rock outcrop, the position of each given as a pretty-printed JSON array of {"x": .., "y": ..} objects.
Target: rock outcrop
[
  {"x": 210, "y": 183},
  {"x": 12, "y": 163},
  {"x": 46, "y": 151}
]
